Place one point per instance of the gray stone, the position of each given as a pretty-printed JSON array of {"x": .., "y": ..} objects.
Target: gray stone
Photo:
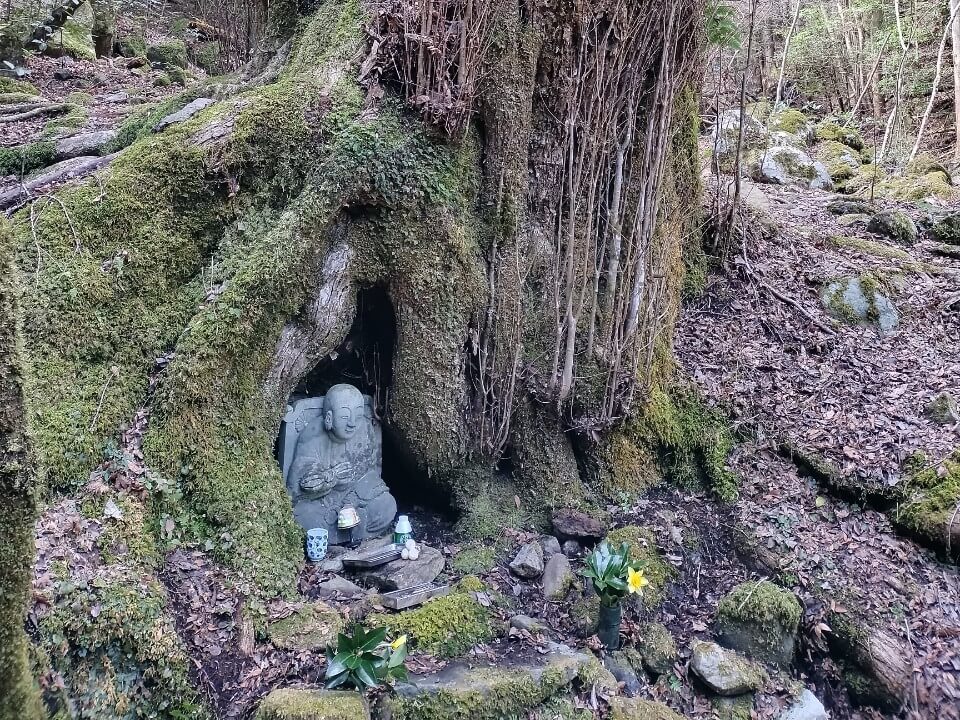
[
  {"x": 571, "y": 548},
  {"x": 185, "y": 113},
  {"x": 338, "y": 586},
  {"x": 724, "y": 671},
  {"x": 853, "y": 219},
  {"x": 401, "y": 574},
  {"x": 784, "y": 165},
  {"x": 805, "y": 707},
  {"x": 943, "y": 409},
  {"x": 726, "y": 135},
  {"x": 851, "y": 206},
  {"x": 550, "y": 545},
  {"x": 90, "y": 143},
  {"x": 782, "y": 137},
  {"x": 331, "y": 454},
  {"x": 733, "y": 708},
  {"x": 760, "y": 620},
  {"x": 618, "y": 664},
  {"x": 657, "y": 648},
  {"x": 947, "y": 229},
  {"x": 303, "y": 703},
  {"x": 894, "y": 224},
  {"x": 331, "y": 564},
  {"x": 854, "y": 300},
  {"x": 528, "y": 563},
  {"x": 576, "y": 525},
  {"x": 118, "y": 97},
  {"x": 557, "y": 577},
  {"x": 531, "y": 625}
]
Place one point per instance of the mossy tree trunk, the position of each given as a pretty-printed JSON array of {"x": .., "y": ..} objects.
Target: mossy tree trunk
[{"x": 527, "y": 234}]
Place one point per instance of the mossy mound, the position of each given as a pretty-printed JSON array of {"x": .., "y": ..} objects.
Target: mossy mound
[
  {"x": 11, "y": 85},
  {"x": 894, "y": 224},
  {"x": 841, "y": 161},
  {"x": 447, "y": 626},
  {"x": 312, "y": 627},
  {"x": 870, "y": 247},
  {"x": 643, "y": 548},
  {"x": 924, "y": 164},
  {"x": 585, "y": 615},
  {"x": 74, "y": 38},
  {"x": 934, "y": 184},
  {"x": 946, "y": 229},
  {"x": 791, "y": 121},
  {"x": 657, "y": 648},
  {"x": 170, "y": 54},
  {"x": 761, "y": 620},
  {"x": 931, "y": 498},
  {"x": 301, "y": 704},
  {"x": 735, "y": 708},
  {"x": 474, "y": 558},
  {"x": 622, "y": 708},
  {"x": 830, "y": 130},
  {"x": 21, "y": 159}
]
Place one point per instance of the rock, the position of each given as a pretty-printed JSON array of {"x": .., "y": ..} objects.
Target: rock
[
  {"x": 784, "y": 165},
  {"x": 726, "y": 134},
  {"x": 733, "y": 708},
  {"x": 585, "y": 615},
  {"x": 851, "y": 206},
  {"x": 531, "y": 625},
  {"x": 780, "y": 137},
  {"x": 557, "y": 577},
  {"x": 91, "y": 143},
  {"x": 945, "y": 250},
  {"x": 407, "y": 573},
  {"x": 185, "y": 113},
  {"x": 338, "y": 586},
  {"x": 576, "y": 525},
  {"x": 333, "y": 565},
  {"x": 828, "y": 130},
  {"x": 528, "y": 563},
  {"x": 303, "y": 704},
  {"x": 63, "y": 74},
  {"x": 312, "y": 627},
  {"x": 943, "y": 409},
  {"x": 619, "y": 665},
  {"x": 117, "y": 97},
  {"x": 792, "y": 122},
  {"x": 168, "y": 54},
  {"x": 841, "y": 161},
  {"x": 859, "y": 300},
  {"x": 760, "y": 619},
  {"x": 724, "y": 671},
  {"x": 894, "y": 224},
  {"x": 622, "y": 708},
  {"x": 484, "y": 693},
  {"x": 571, "y": 548},
  {"x": 805, "y": 707},
  {"x": 947, "y": 229},
  {"x": 657, "y": 648},
  {"x": 853, "y": 219},
  {"x": 550, "y": 545}
]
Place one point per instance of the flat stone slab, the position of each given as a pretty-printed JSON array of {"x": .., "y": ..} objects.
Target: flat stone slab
[
  {"x": 337, "y": 586},
  {"x": 185, "y": 113},
  {"x": 90, "y": 143},
  {"x": 805, "y": 707},
  {"x": 400, "y": 574}
]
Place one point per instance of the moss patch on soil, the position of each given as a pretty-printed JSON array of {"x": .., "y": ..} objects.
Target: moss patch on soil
[
  {"x": 302, "y": 704},
  {"x": 311, "y": 628},
  {"x": 929, "y": 509}
]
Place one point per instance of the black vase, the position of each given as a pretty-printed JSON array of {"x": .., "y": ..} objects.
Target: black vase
[{"x": 609, "y": 625}]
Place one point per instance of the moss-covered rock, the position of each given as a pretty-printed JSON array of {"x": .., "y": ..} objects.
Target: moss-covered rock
[
  {"x": 841, "y": 161},
  {"x": 170, "y": 54},
  {"x": 760, "y": 619},
  {"x": 311, "y": 627},
  {"x": 791, "y": 121},
  {"x": 830, "y": 130},
  {"x": 21, "y": 159},
  {"x": 302, "y": 704},
  {"x": 943, "y": 409},
  {"x": 924, "y": 164},
  {"x": 643, "y": 548},
  {"x": 946, "y": 229},
  {"x": 447, "y": 626},
  {"x": 585, "y": 615},
  {"x": 657, "y": 648},
  {"x": 860, "y": 300},
  {"x": 12, "y": 85},
  {"x": 74, "y": 39},
  {"x": 622, "y": 708},
  {"x": 935, "y": 184},
  {"x": 894, "y": 224},
  {"x": 735, "y": 708},
  {"x": 931, "y": 498},
  {"x": 870, "y": 247},
  {"x": 725, "y": 672}
]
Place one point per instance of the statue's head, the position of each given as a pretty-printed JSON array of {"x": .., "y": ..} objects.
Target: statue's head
[{"x": 343, "y": 411}]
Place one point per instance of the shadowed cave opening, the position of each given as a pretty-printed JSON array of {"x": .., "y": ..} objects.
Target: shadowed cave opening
[{"x": 365, "y": 360}]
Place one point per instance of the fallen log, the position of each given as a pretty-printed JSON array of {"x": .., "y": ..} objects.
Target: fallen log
[
  {"x": 43, "y": 110},
  {"x": 68, "y": 170}
]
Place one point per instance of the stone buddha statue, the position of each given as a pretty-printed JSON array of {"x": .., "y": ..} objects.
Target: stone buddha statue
[{"x": 336, "y": 462}]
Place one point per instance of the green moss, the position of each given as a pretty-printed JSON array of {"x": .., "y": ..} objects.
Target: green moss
[
  {"x": 947, "y": 229},
  {"x": 127, "y": 539},
  {"x": 830, "y": 130},
  {"x": 760, "y": 110},
  {"x": 760, "y": 619},
  {"x": 208, "y": 57},
  {"x": 162, "y": 80},
  {"x": 657, "y": 648},
  {"x": 10, "y": 85},
  {"x": 910, "y": 187},
  {"x": 643, "y": 548},
  {"x": 789, "y": 120},
  {"x": 559, "y": 708},
  {"x": 474, "y": 558},
  {"x": 301, "y": 704},
  {"x": 170, "y": 54},
  {"x": 840, "y": 160},
  {"x": 81, "y": 99},
  {"x": 486, "y": 502},
  {"x": 22, "y": 159},
  {"x": 74, "y": 38},
  {"x": 117, "y": 652},
  {"x": 924, "y": 164},
  {"x": 871, "y": 247},
  {"x": 447, "y": 626},
  {"x": 622, "y": 708},
  {"x": 75, "y": 117},
  {"x": 737, "y": 708},
  {"x": 931, "y": 498},
  {"x": 312, "y": 627}
]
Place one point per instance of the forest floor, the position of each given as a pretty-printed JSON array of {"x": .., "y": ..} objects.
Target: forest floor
[{"x": 854, "y": 397}]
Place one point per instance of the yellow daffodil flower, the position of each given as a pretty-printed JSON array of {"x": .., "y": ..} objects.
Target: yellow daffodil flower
[
  {"x": 399, "y": 642},
  {"x": 636, "y": 581}
]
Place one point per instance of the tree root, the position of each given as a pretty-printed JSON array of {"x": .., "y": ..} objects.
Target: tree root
[
  {"x": 13, "y": 199},
  {"x": 41, "y": 110}
]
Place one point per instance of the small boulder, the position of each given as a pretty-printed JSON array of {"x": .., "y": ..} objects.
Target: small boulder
[
  {"x": 550, "y": 545},
  {"x": 91, "y": 143},
  {"x": 760, "y": 619},
  {"x": 619, "y": 665},
  {"x": 947, "y": 229},
  {"x": 841, "y": 161},
  {"x": 310, "y": 628},
  {"x": 805, "y": 707},
  {"x": 733, "y": 708},
  {"x": 859, "y": 300},
  {"x": 531, "y": 625},
  {"x": 793, "y": 122},
  {"x": 304, "y": 704},
  {"x": 657, "y": 648},
  {"x": 853, "y": 219},
  {"x": 724, "y": 671},
  {"x": 337, "y": 586},
  {"x": 851, "y": 206},
  {"x": 407, "y": 573},
  {"x": 571, "y": 548},
  {"x": 557, "y": 577},
  {"x": 784, "y": 165},
  {"x": 894, "y": 224},
  {"x": 943, "y": 409},
  {"x": 577, "y": 525},
  {"x": 726, "y": 135},
  {"x": 585, "y": 615},
  {"x": 168, "y": 54},
  {"x": 528, "y": 564},
  {"x": 622, "y": 708},
  {"x": 829, "y": 130}
]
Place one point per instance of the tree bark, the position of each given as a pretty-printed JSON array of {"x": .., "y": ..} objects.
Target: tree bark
[{"x": 955, "y": 38}]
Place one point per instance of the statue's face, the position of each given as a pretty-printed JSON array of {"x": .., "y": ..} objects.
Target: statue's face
[{"x": 343, "y": 413}]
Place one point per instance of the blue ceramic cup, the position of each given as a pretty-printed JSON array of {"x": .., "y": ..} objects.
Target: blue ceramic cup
[{"x": 317, "y": 539}]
